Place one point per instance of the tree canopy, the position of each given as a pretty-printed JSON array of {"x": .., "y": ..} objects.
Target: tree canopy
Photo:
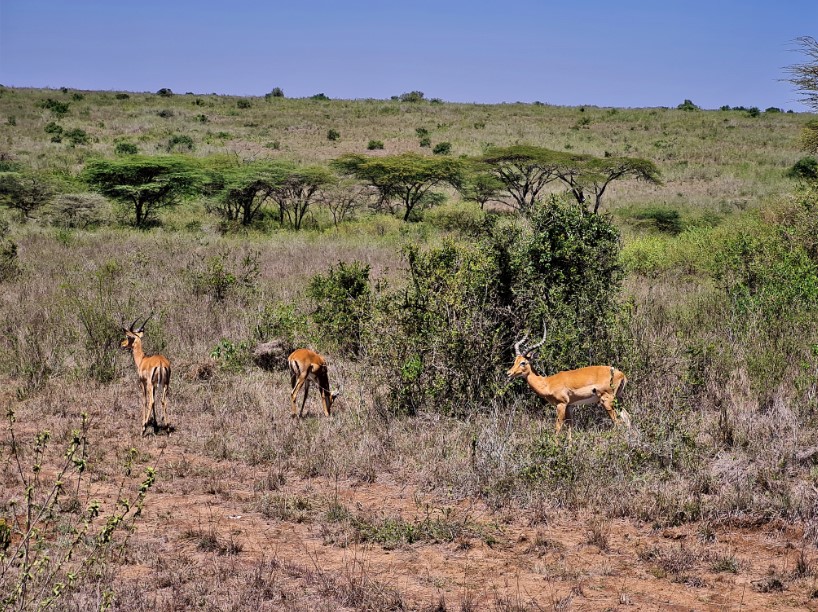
[
  {"x": 144, "y": 183},
  {"x": 805, "y": 78},
  {"x": 525, "y": 170},
  {"x": 406, "y": 178}
]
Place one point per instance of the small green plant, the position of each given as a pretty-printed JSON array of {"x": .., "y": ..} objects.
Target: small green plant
[
  {"x": 333, "y": 134},
  {"x": 77, "y": 136},
  {"x": 179, "y": 143},
  {"x": 60, "y": 109},
  {"x": 11, "y": 120},
  {"x": 231, "y": 356},
  {"x": 122, "y": 96},
  {"x": 218, "y": 281},
  {"x": 374, "y": 145},
  {"x": 126, "y": 148},
  {"x": 442, "y": 148},
  {"x": 165, "y": 113},
  {"x": 53, "y": 544},
  {"x": 243, "y": 103},
  {"x": 165, "y": 92},
  {"x": 688, "y": 105},
  {"x": 276, "y": 92}
]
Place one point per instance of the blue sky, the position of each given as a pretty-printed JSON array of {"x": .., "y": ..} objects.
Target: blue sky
[{"x": 604, "y": 53}]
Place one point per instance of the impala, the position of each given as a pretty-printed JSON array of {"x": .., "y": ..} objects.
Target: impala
[
  {"x": 153, "y": 371},
  {"x": 307, "y": 366},
  {"x": 589, "y": 385}
]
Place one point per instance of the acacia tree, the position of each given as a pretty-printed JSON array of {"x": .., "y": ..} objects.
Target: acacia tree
[
  {"x": 524, "y": 171},
  {"x": 481, "y": 186},
  {"x": 240, "y": 189},
  {"x": 24, "y": 192},
  {"x": 295, "y": 188},
  {"x": 805, "y": 79},
  {"x": 145, "y": 184},
  {"x": 407, "y": 178},
  {"x": 585, "y": 173},
  {"x": 344, "y": 197}
]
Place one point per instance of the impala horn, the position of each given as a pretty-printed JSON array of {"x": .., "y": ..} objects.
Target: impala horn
[
  {"x": 531, "y": 349},
  {"x": 517, "y": 350},
  {"x": 145, "y": 322}
]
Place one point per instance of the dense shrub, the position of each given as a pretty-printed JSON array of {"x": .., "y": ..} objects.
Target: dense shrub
[
  {"x": 443, "y": 341},
  {"x": 374, "y": 144},
  {"x": 126, "y": 148},
  {"x": 333, "y": 134},
  {"x": 442, "y": 148},
  {"x": 58, "y": 108},
  {"x": 343, "y": 304},
  {"x": 804, "y": 168},
  {"x": 77, "y": 136},
  {"x": 77, "y": 210},
  {"x": 179, "y": 143},
  {"x": 661, "y": 218},
  {"x": 243, "y": 103}
]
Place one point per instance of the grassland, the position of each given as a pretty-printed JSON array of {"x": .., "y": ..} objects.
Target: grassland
[{"x": 708, "y": 502}]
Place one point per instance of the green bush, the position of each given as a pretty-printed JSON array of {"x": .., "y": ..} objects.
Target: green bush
[
  {"x": 126, "y": 148},
  {"x": 374, "y": 144},
  {"x": 464, "y": 217},
  {"x": 343, "y": 305},
  {"x": 9, "y": 266},
  {"x": 77, "y": 210},
  {"x": 442, "y": 148},
  {"x": 165, "y": 92},
  {"x": 687, "y": 105},
  {"x": 434, "y": 341},
  {"x": 243, "y": 103},
  {"x": 60, "y": 109},
  {"x": 333, "y": 134},
  {"x": 661, "y": 218},
  {"x": 179, "y": 143},
  {"x": 77, "y": 136},
  {"x": 277, "y": 92},
  {"x": 804, "y": 168}
]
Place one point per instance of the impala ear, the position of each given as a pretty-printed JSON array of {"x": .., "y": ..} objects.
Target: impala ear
[{"x": 530, "y": 354}]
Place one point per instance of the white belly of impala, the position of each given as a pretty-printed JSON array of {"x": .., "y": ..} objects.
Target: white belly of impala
[{"x": 583, "y": 395}]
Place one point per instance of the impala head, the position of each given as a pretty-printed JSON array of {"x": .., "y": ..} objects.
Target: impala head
[
  {"x": 132, "y": 333},
  {"x": 523, "y": 354}
]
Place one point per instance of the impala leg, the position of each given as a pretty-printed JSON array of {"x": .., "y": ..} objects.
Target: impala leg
[
  {"x": 150, "y": 412},
  {"x": 304, "y": 401},
  {"x": 165, "y": 390},
  {"x": 144, "y": 385},
  {"x": 561, "y": 410},
  {"x": 607, "y": 400},
  {"x": 325, "y": 400},
  {"x": 298, "y": 382}
]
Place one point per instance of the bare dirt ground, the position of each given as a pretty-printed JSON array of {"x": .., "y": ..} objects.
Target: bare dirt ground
[
  {"x": 221, "y": 534},
  {"x": 531, "y": 563}
]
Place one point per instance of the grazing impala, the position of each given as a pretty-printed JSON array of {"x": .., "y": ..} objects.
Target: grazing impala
[
  {"x": 307, "y": 366},
  {"x": 590, "y": 385},
  {"x": 153, "y": 371}
]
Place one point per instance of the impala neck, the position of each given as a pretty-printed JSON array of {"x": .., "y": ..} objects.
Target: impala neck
[{"x": 138, "y": 353}]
